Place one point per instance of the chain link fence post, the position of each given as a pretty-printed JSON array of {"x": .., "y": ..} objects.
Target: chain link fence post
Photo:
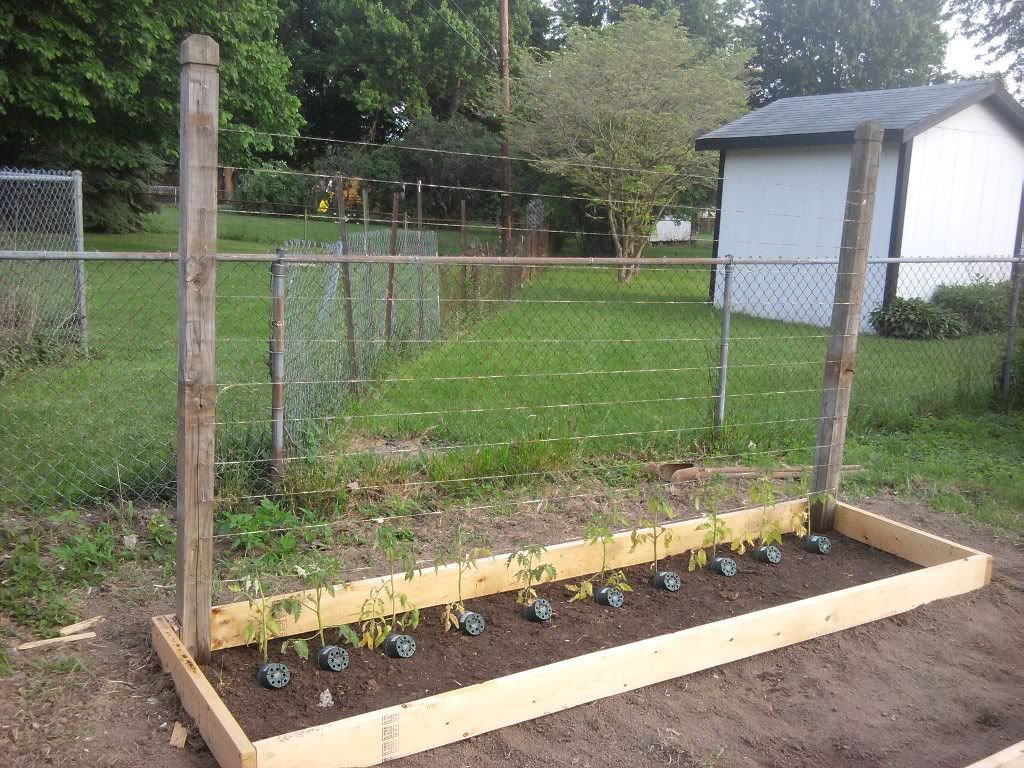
[
  {"x": 80, "y": 314},
  {"x": 723, "y": 354},
  {"x": 278, "y": 281}
]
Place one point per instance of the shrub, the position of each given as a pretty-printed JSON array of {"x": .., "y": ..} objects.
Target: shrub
[
  {"x": 983, "y": 305},
  {"x": 1015, "y": 396},
  {"x": 916, "y": 319}
]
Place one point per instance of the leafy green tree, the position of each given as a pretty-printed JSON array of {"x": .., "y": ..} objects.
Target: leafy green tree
[
  {"x": 650, "y": 90},
  {"x": 364, "y": 68},
  {"x": 807, "y": 47},
  {"x": 714, "y": 21},
  {"x": 996, "y": 24},
  {"x": 94, "y": 85}
]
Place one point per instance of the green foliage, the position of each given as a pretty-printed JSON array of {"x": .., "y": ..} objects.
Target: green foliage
[
  {"x": 600, "y": 530},
  {"x": 264, "y": 615},
  {"x": 708, "y": 498},
  {"x": 1015, "y": 395},
  {"x": 531, "y": 571},
  {"x": 6, "y": 661},
  {"x": 651, "y": 527},
  {"x": 916, "y": 319},
  {"x": 94, "y": 85},
  {"x": 807, "y": 47},
  {"x": 629, "y": 149},
  {"x": 273, "y": 533},
  {"x": 997, "y": 26},
  {"x": 983, "y": 305},
  {"x": 462, "y": 550}
]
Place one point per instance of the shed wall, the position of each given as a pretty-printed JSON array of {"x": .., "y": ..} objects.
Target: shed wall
[
  {"x": 963, "y": 199},
  {"x": 789, "y": 203}
]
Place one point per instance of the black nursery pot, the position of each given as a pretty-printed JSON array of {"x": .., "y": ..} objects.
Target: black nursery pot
[
  {"x": 723, "y": 566},
  {"x": 667, "y": 580},
  {"x": 539, "y": 610},
  {"x": 273, "y": 675},
  {"x": 472, "y": 623},
  {"x": 331, "y": 658},
  {"x": 613, "y": 597},
  {"x": 818, "y": 544},
  {"x": 769, "y": 554},
  {"x": 400, "y": 646}
]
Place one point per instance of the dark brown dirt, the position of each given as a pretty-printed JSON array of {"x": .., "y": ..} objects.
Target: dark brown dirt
[
  {"x": 444, "y": 662},
  {"x": 938, "y": 687}
]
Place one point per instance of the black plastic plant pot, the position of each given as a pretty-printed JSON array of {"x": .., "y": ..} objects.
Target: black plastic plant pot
[
  {"x": 273, "y": 676},
  {"x": 723, "y": 566},
  {"x": 818, "y": 544},
  {"x": 539, "y": 610},
  {"x": 331, "y": 658},
  {"x": 613, "y": 597},
  {"x": 400, "y": 646},
  {"x": 667, "y": 580},
  {"x": 471, "y": 623},
  {"x": 770, "y": 554}
]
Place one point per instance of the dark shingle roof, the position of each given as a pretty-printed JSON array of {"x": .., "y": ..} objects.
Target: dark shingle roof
[{"x": 832, "y": 119}]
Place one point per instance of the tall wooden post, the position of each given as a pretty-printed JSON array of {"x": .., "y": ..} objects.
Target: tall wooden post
[
  {"x": 1016, "y": 278},
  {"x": 842, "y": 346},
  {"x": 346, "y": 283},
  {"x": 80, "y": 304},
  {"x": 197, "y": 380}
]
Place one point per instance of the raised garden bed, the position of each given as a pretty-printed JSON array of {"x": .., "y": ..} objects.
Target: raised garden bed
[{"x": 461, "y": 686}]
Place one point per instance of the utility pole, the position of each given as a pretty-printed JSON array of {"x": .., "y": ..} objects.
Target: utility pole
[{"x": 506, "y": 108}]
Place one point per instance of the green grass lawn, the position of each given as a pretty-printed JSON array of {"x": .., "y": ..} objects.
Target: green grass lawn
[{"x": 574, "y": 366}]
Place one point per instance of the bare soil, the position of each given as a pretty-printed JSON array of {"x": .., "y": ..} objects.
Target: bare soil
[
  {"x": 446, "y": 661},
  {"x": 939, "y": 687}
]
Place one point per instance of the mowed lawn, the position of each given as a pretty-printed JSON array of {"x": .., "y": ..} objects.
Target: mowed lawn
[{"x": 572, "y": 361}]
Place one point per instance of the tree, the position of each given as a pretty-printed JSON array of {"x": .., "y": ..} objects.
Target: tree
[
  {"x": 997, "y": 24},
  {"x": 807, "y": 47},
  {"x": 713, "y": 21},
  {"x": 94, "y": 85},
  {"x": 364, "y": 68},
  {"x": 617, "y": 111}
]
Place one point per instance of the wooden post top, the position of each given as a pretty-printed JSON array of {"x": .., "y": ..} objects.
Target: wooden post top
[
  {"x": 869, "y": 130},
  {"x": 200, "y": 49}
]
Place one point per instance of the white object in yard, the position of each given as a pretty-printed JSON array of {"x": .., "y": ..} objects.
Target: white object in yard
[{"x": 669, "y": 230}]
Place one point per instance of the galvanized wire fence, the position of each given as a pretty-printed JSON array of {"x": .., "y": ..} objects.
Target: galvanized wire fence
[{"x": 536, "y": 372}]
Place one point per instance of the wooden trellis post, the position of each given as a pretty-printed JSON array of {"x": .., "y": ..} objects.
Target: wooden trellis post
[
  {"x": 841, "y": 357},
  {"x": 346, "y": 284},
  {"x": 197, "y": 380}
]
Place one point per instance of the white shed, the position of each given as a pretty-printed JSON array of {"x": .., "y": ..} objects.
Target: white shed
[
  {"x": 671, "y": 230},
  {"x": 951, "y": 184}
]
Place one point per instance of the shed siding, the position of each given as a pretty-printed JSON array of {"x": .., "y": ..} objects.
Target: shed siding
[
  {"x": 963, "y": 199},
  {"x": 789, "y": 203}
]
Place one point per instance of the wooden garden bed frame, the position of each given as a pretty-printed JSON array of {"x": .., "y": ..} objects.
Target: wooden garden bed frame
[{"x": 371, "y": 738}]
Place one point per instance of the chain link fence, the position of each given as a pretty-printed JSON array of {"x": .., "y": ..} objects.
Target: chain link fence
[
  {"x": 514, "y": 372},
  {"x": 42, "y": 303}
]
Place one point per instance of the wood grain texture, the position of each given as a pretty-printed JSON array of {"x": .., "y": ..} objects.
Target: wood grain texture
[
  {"x": 221, "y": 732},
  {"x": 197, "y": 381},
  {"x": 406, "y": 729},
  {"x": 841, "y": 356},
  {"x": 1011, "y": 757},
  {"x": 433, "y": 587}
]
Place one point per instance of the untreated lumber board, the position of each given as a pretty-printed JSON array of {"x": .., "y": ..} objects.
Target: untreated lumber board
[
  {"x": 221, "y": 732},
  {"x": 435, "y": 587},
  {"x": 406, "y": 729},
  {"x": 896, "y": 538},
  {"x": 1011, "y": 757},
  {"x": 56, "y": 641}
]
